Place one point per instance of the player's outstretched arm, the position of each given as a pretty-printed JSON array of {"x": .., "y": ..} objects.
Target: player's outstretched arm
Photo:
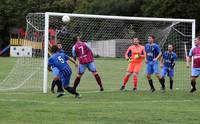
[
  {"x": 173, "y": 64},
  {"x": 143, "y": 55},
  {"x": 188, "y": 59},
  {"x": 145, "y": 59},
  {"x": 175, "y": 60},
  {"x": 73, "y": 61},
  {"x": 74, "y": 53},
  {"x": 128, "y": 54},
  {"x": 159, "y": 55},
  {"x": 161, "y": 62}
]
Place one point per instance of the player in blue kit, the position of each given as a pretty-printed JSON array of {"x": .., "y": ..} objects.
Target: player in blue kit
[
  {"x": 56, "y": 78},
  {"x": 168, "y": 62},
  {"x": 59, "y": 60},
  {"x": 153, "y": 53}
]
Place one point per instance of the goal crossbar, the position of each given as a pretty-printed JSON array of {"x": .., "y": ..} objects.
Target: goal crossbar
[{"x": 121, "y": 17}]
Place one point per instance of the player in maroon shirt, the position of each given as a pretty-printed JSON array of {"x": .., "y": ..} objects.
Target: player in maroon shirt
[
  {"x": 195, "y": 53},
  {"x": 86, "y": 60}
]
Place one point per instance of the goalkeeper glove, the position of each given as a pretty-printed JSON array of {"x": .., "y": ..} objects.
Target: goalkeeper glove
[
  {"x": 129, "y": 60},
  {"x": 137, "y": 56}
]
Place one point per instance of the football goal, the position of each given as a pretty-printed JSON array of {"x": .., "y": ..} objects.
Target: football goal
[{"x": 109, "y": 38}]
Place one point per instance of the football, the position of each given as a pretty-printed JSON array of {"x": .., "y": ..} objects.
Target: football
[{"x": 65, "y": 19}]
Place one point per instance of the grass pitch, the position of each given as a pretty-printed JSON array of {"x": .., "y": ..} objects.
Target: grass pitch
[{"x": 109, "y": 107}]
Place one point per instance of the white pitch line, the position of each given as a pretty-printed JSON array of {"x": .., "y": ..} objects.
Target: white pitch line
[
  {"x": 96, "y": 102},
  {"x": 20, "y": 93},
  {"x": 83, "y": 92},
  {"x": 97, "y": 91}
]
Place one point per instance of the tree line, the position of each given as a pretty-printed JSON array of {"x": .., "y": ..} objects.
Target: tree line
[{"x": 13, "y": 12}]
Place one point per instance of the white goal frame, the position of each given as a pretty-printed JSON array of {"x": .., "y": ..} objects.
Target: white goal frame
[{"x": 47, "y": 14}]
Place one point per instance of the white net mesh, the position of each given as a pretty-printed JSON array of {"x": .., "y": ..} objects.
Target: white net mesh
[{"x": 108, "y": 38}]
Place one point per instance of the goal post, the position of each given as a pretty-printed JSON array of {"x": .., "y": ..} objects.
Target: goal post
[
  {"x": 193, "y": 36},
  {"x": 108, "y": 36},
  {"x": 46, "y": 42}
]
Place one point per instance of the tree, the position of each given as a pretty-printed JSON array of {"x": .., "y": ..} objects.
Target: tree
[
  {"x": 110, "y": 7},
  {"x": 172, "y": 9},
  {"x": 13, "y": 12}
]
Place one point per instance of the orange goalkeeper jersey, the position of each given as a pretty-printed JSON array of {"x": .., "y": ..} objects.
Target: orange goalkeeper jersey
[{"x": 136, "y": 53}]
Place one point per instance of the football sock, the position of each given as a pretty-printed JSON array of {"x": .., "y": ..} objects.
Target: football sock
[
  {"x": 53, "y": 84},
  {"x": 71, "y": 90},
  {"x": 98, "y": 79},
  {"x": 76, "y": 82},
  {"x": 151, "y": 84},
  {"x": 171, "y": 84},
  {"x": 125, "y": 80},
  {"x": 162, "y": 82},
  {"x": 135, "y": 81},
  {"x": 193, "y": 83},
  {"x": 59, "y": 85}
]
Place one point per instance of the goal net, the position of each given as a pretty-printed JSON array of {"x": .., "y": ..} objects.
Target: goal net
[{"x": 109, "y": 38}]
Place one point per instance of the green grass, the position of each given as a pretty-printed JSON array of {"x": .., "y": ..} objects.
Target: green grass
[{"x": 30, "y": 106}]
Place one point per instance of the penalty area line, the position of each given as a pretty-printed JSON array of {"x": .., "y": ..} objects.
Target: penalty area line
[{"x": 98, "y": 102}]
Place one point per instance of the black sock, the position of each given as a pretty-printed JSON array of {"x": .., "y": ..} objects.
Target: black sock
[
  {"x": 193, "y": 83},
  {"x": 59, "y": 85},
  {"x": 171, "y": 84},
  {"x": 162, "y": 82},
  {"x": 76, "y": 82},
  {"x": 53, "y": 84},
  {"x": 151, "y": 84},
  {"x": 71, "y": 90}
]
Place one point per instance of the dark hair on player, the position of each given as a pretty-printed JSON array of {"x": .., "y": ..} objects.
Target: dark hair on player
[
  {"x": 198, "y": 37},
  {"x": 152, "y": 36},
  {"x": 74, "y": 39},
  {"x": 54, "y": 48}
]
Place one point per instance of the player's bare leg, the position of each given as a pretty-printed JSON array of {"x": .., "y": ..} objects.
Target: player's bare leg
[
  {"x": 98, "y": 79},
  {"x": 150, "y": 82},
  {"x": 125, "y": 80},
  {"x": 193, "y": 84}
]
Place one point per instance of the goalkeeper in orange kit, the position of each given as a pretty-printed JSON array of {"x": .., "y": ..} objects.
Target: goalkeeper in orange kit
[{"x": 134, "y": 55}]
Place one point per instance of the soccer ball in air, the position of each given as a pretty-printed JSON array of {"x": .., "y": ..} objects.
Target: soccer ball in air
[{"x": 65, "y": 19}]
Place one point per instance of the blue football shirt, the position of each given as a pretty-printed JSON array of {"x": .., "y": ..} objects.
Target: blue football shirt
[
  {"x": 152, "y": 51},
  {"x": 59, "y": 60},
  {"x": 169, "y": 59}
]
